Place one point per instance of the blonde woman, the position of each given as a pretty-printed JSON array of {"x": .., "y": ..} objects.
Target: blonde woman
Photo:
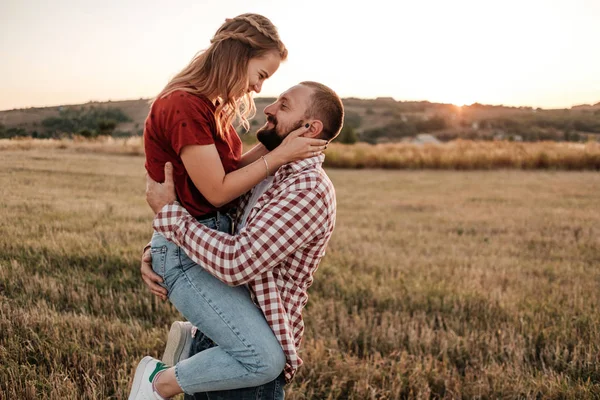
[{"x": 190, "y": 126}]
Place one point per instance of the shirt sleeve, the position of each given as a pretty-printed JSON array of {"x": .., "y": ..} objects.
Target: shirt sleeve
[
  {"x": 190, "y": 131},
  {"x": 189, "y": 121},
  {"x": 286, "y": 223}
]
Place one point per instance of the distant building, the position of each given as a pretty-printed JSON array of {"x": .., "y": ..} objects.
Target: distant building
[
  {"x": 423, "y": 138},
  {"x": 385, "y": 100},
  {"x": 500, "y": 135}
]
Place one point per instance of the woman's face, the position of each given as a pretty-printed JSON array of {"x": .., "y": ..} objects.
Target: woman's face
[{"x": 260, "y": 69}]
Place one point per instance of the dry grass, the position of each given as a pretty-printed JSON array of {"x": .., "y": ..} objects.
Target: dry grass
[
  {"x": 102, "y": 144},
  {"x": 467, "y": 155},
  {"x": 437, "y": 284},
  {"x": 458, "y": 154}
]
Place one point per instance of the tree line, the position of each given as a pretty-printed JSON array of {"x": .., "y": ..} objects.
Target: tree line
[{"x": 88, "y": 122}]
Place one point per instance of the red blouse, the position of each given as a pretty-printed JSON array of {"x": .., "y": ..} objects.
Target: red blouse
[{"x": 178, "y": 120}]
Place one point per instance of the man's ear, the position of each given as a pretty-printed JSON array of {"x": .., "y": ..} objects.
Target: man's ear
[{"x": 315, "y": 129}]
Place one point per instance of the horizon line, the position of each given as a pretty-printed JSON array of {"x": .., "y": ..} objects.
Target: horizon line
[{"x": 384, "y": 98}]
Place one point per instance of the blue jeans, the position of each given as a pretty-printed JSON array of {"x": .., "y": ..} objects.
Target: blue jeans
[
  {"x": 247, "y": 353},
  {"x": 273, "y": 390}
]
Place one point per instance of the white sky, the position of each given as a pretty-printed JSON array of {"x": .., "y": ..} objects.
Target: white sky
[{"x": 541, "y": 53}]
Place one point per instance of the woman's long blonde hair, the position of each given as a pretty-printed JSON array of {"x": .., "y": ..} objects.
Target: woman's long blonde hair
[{"x": 222, "y": 69}]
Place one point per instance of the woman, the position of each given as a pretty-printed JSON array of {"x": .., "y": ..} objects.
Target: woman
[{"x": 189, "y": 125}]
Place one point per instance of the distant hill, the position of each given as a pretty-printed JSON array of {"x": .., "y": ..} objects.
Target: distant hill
[
  {"x": 377, "y": 120},
  {"x": 587, "y": 107},
  {"x": 31, "y": 118}
]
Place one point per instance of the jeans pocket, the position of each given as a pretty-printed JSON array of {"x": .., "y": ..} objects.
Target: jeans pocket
[
  {"x": 159, "y": 259},
  {"x": 278, "y": 389}
]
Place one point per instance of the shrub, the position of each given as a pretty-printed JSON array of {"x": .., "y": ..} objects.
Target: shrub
[
  {"x": 78, "y": 119},
  {"x": 352, "y": 119},
  {"x": 434, "y": 123},
  {"x": 347, "y": 135},
  {"x": 396, "y": 130},
  {"x": 106, "y": 127}
]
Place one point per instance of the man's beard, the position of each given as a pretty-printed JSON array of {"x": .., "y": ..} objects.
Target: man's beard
[{"x": 269, "y": 136}]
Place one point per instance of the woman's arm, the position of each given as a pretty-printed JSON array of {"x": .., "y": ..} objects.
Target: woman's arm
[
  {"x": 253, "y": 154},
  {"x": 203, "y": 165}
]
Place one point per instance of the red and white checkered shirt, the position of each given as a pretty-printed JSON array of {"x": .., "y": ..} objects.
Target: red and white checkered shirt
[{"x": 275, "y": 254}]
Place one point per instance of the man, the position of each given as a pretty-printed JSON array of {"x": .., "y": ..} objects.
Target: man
[{"x": 284, "y": 224}]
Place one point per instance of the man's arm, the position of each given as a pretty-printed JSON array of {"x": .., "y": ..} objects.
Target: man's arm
[{"x": 288, "y": 222}]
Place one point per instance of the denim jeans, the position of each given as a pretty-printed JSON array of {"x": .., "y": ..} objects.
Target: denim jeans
[
  {"x": 247, "y": 353},
  {"x": 273, "y": 390}
]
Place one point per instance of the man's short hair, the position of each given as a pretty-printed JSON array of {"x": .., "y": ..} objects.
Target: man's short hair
[{"x": 327, "y": 107}]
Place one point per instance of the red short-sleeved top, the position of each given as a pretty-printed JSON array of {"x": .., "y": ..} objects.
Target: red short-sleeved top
[{"x": 182, "y": 119}]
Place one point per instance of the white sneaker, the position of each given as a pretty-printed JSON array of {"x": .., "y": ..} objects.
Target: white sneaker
[
  {"x": 179, "y": 343},
  {"x": 142, "y": 388}
]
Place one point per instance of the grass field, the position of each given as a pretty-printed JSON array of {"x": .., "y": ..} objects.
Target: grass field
[
  {"x": 437, "y": 284},
  {"x": 454, "y": 155}
]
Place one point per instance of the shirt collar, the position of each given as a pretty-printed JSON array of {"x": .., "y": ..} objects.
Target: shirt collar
[{"x": 297, "y": 166}]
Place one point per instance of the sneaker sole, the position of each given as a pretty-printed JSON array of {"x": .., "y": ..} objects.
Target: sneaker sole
[
  {"x": 139, "y": 375},
  {"x": 177, "y": 341}
]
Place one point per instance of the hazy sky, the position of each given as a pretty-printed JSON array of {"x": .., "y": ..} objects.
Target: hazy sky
[{"x": 542, "y": 53}]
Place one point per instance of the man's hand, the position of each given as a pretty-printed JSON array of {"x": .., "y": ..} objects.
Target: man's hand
[
  {"x": 159, "y": 195},
  {"x": 151, "y": 279}
]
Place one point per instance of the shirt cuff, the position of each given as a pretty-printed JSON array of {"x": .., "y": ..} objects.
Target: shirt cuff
[{"x": 165, "y": 221}]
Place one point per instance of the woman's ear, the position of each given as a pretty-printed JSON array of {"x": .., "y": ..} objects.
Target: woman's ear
[{"x": 315, "y": 129}]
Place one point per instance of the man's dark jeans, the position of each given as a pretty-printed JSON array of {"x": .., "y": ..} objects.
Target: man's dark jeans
[{"x": 269, "y": 391}]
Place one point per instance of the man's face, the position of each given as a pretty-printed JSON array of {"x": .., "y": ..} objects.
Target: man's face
[{"x": 287, "y": 114}]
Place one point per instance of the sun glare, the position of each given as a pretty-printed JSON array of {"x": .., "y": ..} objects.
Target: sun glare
[
  {"x": 463, "y": 101},
  {"x": 458, "y": 97}
]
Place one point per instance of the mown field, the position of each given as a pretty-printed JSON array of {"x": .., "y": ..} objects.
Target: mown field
[{"x": 437, "y": 284}]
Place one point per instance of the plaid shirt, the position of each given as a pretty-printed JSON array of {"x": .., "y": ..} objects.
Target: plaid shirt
[{"x": 275, "y": 254}]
